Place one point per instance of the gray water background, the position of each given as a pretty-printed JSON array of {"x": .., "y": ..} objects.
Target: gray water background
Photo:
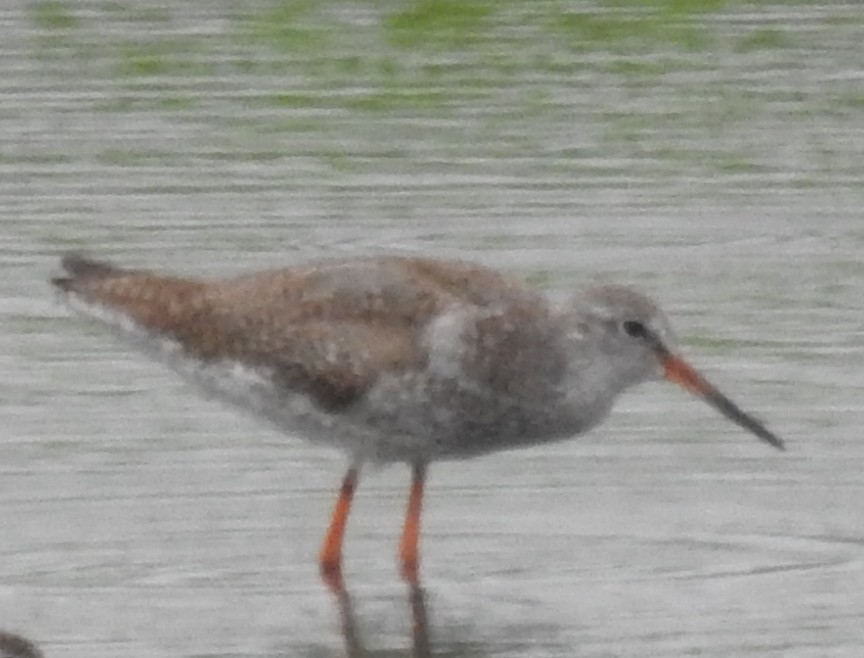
[{"x": 710, "y": 153}]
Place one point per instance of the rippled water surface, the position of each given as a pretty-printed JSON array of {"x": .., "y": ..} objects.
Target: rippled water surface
[{"x": 711, "y": 154}]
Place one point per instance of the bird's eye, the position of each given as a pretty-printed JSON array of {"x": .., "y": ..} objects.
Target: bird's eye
[{"x": 634, "y": 329}]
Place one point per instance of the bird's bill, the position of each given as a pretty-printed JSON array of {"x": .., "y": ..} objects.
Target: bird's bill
[{"x": 676, "y": 370}]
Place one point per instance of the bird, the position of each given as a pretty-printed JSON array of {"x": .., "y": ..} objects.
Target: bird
[
  {"x": 15, "y": 646},
  {"x": 396, "y": 358}
]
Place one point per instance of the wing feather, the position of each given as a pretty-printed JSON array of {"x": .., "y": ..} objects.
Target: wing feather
[{"x": 328, "y": 329}]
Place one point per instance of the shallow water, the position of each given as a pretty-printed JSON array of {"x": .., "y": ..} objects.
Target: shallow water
[{"x": 713, "y": 158}]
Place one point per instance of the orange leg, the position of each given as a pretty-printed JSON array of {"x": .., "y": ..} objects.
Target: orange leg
[
  {"x": 408, "y": 552},
  {"x": 330, "y": 556}
]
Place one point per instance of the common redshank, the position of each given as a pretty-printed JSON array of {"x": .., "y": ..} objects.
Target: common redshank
[{"x": 396, "y": 359}]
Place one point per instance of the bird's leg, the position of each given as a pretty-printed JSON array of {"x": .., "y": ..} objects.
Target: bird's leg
[
  {"x": 408, "y": 551},
  {"x": 330, "y": 556}
]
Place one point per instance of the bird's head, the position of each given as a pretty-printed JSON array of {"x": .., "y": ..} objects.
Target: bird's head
[{"x": 632, "y": 336}]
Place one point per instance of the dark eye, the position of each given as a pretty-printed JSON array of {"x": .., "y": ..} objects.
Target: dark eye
[{"x": 634, "y": 329}]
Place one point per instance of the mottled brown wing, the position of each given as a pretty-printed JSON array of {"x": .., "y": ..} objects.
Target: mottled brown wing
[
  {"x": 328, "y": 329},
  {"x": 334, "y": 363},
  {"x": 329, "y": 349},
  {"x": 334, "y": 328},
  {"x": 389, "y": 290}
]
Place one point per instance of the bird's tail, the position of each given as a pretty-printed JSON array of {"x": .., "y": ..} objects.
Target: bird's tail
[
  {"x": 136, "y": 301},
  {"x": 78, "y": 268}
]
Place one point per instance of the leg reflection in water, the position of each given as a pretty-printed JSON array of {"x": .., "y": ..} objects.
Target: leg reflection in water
[{"x": 354, "y": 646}]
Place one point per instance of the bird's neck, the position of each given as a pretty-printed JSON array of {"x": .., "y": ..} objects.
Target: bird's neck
[{"x": 591, "y": 386}]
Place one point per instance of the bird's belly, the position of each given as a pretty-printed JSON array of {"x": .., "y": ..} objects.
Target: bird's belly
[
  {"x": 414, "y": 419},
  {"x": 254, "y": 391},
  {"x": 401, "y": 419}
]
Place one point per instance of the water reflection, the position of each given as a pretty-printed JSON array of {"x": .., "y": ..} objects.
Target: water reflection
[{"x": 354, "y": 644}]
